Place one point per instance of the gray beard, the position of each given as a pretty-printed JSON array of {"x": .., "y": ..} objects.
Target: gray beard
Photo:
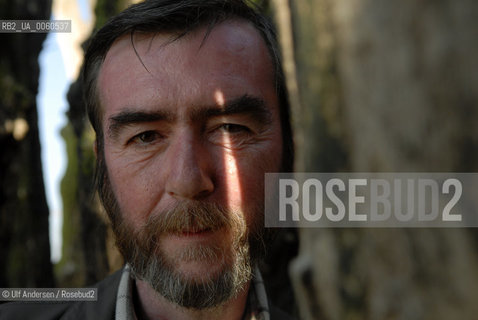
[
  {"x": 141, "y": 250},
  {"x": 149, "y": 263},
  {"x": 214, "y": 291}
]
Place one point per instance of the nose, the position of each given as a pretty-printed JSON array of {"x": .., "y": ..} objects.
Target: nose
[{"x": 190, "y": 168}]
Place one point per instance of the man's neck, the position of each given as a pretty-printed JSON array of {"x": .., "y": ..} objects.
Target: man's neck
[{"x": 152, "y": 306}]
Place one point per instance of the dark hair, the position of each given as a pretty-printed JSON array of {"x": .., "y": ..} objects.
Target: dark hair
[{"x": 181, "y": 17}]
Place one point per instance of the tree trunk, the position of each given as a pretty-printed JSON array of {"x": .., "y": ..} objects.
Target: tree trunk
[
  {"x": 384, "y": 86},
  {"x": 24, "y": 236}
]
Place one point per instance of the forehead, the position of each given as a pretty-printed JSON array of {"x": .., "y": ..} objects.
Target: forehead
[{"x": 231, "y": 58}]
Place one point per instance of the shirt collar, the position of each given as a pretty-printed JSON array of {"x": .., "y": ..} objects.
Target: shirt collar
[{"x": 257, "y": 305}]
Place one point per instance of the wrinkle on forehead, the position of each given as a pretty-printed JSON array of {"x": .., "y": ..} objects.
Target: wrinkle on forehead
[
  {"x": 235, "y": 35},
  {"x": 231, "y": 52}
]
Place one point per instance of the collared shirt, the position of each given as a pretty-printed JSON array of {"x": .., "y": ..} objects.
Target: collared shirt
[{"x": 257, "y": 307}]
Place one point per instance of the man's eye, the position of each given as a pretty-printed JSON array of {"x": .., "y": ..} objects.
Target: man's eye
[
  {"x": 146, "y": 137},
  {"x": 235, "y": 128}
]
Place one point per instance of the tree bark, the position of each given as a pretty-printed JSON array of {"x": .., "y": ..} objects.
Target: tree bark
[
  {"x": 24, "y": 236},
  {"x": 385, "y": 86}
]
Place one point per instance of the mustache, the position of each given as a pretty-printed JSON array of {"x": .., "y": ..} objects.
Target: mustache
[{"x": 191, "y": 217}]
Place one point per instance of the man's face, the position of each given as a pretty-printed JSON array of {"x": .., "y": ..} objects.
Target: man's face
[{"x": 190, "y": 128}]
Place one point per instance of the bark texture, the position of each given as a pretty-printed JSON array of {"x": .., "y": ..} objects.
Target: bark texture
[
  {"x": 24, "y": 237},
  {"x": 384, "y": 86}
]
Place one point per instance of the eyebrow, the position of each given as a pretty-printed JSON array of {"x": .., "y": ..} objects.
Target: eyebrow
[
  {"x": 248, "y": 105},
  {"x": 127, "y": 118}
]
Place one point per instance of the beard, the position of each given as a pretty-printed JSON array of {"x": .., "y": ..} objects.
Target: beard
[{"x": 141, "y": 248}]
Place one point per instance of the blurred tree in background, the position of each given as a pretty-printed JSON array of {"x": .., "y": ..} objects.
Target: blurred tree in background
[
  {"x": 386, "y": 86},
  {"x": 24, "y": 242}
]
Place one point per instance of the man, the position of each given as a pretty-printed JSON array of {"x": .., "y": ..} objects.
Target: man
[{"x": 188, "y": 103}]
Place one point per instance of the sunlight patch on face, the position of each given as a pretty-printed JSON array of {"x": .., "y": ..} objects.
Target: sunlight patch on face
[
  {"x": 233, "y": 183},
  {"x": 219, "y": 97}
]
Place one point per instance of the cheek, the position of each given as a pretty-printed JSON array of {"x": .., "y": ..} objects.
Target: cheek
[
  {"x": 132, "y": 190},
  {"x": 232, "y": 181},
  {"x": 244, "y": 179}
]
